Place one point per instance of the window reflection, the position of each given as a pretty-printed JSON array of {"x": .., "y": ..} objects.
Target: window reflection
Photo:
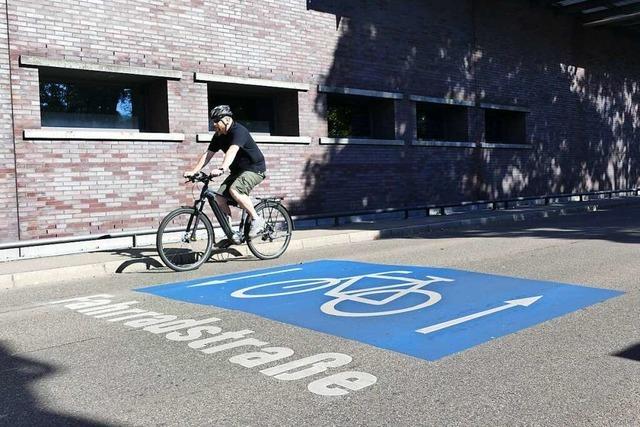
[{"x": 90, "y": 104}]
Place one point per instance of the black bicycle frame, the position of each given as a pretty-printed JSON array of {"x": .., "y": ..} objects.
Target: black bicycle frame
[{"x": 198, "y": 205}]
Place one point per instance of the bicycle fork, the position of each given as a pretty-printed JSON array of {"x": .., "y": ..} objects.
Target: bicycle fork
[{"x": 193, "y": 221}]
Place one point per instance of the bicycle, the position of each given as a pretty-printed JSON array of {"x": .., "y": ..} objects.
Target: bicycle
[
  {"x": 338, "y": 289},
  {"x": 185, "y": 238}
]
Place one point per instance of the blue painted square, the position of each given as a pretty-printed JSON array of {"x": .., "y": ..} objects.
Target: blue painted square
[{"x": 421, "y": 311}]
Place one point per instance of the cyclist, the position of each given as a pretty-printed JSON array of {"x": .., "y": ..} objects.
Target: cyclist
[{"x": 242, "y": 158}]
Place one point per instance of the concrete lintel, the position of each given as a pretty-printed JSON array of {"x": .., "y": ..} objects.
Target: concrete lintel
[
  {"x": 101, "y": 135},
  {"x": 214, "y": 78},
  {"x": 448, "y": 101},
  {"x": 360, "y": 141},
  {"x": 37, "y": 61},
  {"x": 359, "y": 92},
  {"x": 504, "y": 107},
  {"x": 263, "y": 139},
  {"x": 512, "y": 146},
  {"x": 461, "y": 144}
]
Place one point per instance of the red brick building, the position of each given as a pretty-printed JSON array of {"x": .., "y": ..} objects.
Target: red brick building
[{"x": 356, "y": 104}]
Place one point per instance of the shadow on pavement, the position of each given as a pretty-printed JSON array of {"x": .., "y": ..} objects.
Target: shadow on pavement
[
  {"x": 632, "y": 353},
  {"x": 148, "y": 257},
  {"x": 19, "y": 405},
  {"x": 617, "y": 227}
]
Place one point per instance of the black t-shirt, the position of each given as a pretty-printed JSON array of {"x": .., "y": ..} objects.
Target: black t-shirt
[{"x": 249, "y": 157}]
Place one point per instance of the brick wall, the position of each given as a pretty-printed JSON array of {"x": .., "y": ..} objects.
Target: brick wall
[
  {"x": 8, "y": 211},
  {"x": 580, "y": 86}
]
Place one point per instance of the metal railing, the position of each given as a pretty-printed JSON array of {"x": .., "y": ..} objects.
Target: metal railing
[{"x": 428, "y": 210}]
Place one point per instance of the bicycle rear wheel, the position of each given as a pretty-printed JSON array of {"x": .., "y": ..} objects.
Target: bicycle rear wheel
[
  {"x": 277, "y": 233},
  {"x": 180, "y": 246}
]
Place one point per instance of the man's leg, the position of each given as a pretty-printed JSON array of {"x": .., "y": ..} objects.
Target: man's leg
[
  {"x": 224, "y": 205},
  {"x": 240, "y": 189},
  {"x": 244, "y": 201},
  {"x": 223, "y": 202}
]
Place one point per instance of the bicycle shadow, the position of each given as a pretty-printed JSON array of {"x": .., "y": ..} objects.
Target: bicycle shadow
[
  {"x": 19, "y": 405},
  {"x": 148, "y": 259}
]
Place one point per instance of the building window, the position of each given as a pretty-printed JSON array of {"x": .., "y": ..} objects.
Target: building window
[
  {"x": 353, "y": 116},
  {"x": 87, "y": 99},
  {"x": 263, "y": 110},
  {"x": 505, "y": 127},
  {"x": 441, "y": 122}
]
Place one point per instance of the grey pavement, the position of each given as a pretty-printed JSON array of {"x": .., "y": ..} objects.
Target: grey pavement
[
  {"x": 62, "y": 367},
  {"x": 25, "y": 272}
]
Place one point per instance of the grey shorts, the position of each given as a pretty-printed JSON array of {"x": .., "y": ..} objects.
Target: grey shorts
[{"x": 242, "y": 182}]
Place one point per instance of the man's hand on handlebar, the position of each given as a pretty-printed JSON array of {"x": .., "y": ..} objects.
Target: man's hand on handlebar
[
  {"x": 195, "y": 176},
  {"x": 217, "y": 172}
]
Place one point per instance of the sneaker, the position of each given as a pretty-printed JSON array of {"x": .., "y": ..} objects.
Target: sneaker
[
  {"x": 257, "y": 227},
  {"x": 236, "y": 238}
]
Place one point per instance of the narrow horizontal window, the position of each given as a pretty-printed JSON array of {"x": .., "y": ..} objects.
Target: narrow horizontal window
[
  {"x": 352, "y": 116},
  {"x": 95, "y": 100},
  {"x": 441, "y": 122},
  {"x": 262, "y": 110},
  {"x": 505, "y": 126}
]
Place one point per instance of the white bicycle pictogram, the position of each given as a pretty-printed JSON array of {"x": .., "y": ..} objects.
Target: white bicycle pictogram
[{"x": 401, "y": 287}]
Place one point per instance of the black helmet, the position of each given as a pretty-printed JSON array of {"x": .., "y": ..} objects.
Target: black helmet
[{"x": 220, "y": 111}]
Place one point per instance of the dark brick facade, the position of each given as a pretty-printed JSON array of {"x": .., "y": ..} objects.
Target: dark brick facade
[{"x": 580, "y": 86}]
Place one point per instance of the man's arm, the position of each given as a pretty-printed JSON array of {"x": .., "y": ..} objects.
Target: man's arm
[
  {"x": 229, "y": 157},
  {"x": 202, "y": 162}
]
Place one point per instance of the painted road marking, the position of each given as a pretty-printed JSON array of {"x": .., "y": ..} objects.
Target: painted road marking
[
  {"x": 524, "y": 302},
  {"x": 425, "y": 312},
  {"x": 216, "y": 341},
  {"x": 219, "y": 282}
]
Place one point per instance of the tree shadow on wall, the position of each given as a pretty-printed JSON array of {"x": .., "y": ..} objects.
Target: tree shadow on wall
[
  {"x": 19, "y": 405},
  {"x": 583, "y": 127}
]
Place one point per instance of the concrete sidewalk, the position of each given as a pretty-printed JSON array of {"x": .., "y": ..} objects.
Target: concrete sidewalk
[{"x": 25, "y": 272}]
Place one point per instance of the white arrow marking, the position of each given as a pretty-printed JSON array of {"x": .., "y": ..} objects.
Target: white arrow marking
[
  {"x": 525, "y": 302},
  {"x": 219, "y": 282}
]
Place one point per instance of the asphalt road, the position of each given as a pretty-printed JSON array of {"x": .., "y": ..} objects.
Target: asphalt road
[{"x": 61, "y": 367}]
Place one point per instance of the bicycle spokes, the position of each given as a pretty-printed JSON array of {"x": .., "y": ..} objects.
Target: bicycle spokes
[
  {"x": 183, "y": 242},
  {"x": 277, "y": 232}
]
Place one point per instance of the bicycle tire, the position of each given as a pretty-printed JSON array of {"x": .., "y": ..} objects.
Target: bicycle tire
[
  {"x": 171, "y": 256},
  {"x": 278, "y": 228}
]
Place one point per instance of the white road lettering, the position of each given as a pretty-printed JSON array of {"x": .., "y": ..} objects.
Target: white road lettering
[
  {"x": 101, "y": 306},
  {"x": 240, "y": 343},
  {"x": 336, "y": 384},
  {"x": 193, "y": 333},
  {"x": 257, "y": 358},
  {"x": 178, "y": 324},
  {"x": 133, "y": 316},
  {"x": 319, "y": 363},
  {"x": 156, "y": 320},
  {"x": 222, "y": 337}
]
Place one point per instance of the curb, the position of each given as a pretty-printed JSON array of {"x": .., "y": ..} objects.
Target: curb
[{"x": 87, "y": 271}]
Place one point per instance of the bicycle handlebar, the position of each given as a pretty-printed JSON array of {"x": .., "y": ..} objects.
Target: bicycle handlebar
[{"x": 200, "y": 177}]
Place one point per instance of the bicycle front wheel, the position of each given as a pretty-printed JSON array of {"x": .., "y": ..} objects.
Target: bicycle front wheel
[
  {"x": 277, "y": 233},
  {"x": 183, "y": 242}
]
